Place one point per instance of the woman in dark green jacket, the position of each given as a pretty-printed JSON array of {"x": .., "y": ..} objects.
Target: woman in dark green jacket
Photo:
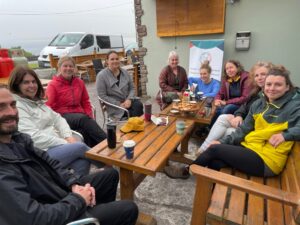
[{"x": 260, "y": 146}]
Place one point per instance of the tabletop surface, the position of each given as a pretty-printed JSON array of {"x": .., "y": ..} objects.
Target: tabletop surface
[
  {"x": 87, "y": 63},
  {"x": 154, "y": 146},
  {"x": 197, "y": 116}
]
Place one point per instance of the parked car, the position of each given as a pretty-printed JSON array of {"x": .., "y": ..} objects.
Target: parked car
[{"x": 79, "y": 43}]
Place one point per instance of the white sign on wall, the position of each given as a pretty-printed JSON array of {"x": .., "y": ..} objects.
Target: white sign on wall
[{"x": 211, "y": 50}]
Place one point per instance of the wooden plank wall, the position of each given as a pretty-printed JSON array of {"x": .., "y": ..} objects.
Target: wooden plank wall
[{"x": 189, "y": 17}]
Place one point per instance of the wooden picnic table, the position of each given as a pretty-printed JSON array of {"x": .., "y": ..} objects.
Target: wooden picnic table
[
  {"x": 153, "y": 147},
  {"x": 197, "y": 116},
  {"x": 86, "y": 68}
]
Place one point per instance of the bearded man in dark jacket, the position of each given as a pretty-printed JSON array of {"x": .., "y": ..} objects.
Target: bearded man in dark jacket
[{"x": 36, "y": 190}]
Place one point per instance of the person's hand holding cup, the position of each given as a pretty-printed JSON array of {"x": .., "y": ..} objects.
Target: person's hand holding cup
[{"x": 129, "y": 148}]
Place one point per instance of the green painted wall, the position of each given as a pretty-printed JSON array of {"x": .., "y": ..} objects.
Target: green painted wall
[{"x": 275, "y": 37}]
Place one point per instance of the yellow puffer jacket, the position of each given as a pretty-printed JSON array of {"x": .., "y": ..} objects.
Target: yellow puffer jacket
[
  {"x": 266, "y": 119},
  {"x": 257, "y": 140}
]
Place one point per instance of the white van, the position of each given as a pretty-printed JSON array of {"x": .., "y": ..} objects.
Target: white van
[{"x": 79, "y": 43}]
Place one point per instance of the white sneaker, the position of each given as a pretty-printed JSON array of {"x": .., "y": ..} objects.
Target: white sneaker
[{"x": 193, "y": 155}]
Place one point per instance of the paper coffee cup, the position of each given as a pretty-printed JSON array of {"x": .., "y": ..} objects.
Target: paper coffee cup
[{"x": 129, "y": 148}]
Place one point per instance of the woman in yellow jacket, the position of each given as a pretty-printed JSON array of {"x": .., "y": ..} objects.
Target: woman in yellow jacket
[{"x": 260, "y": 146}]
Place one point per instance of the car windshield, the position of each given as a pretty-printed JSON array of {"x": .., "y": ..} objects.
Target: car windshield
[{"x": 66, "y": 40}]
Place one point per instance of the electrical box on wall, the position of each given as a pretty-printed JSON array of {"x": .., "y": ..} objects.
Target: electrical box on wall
[{"x": 242, "y": 41}]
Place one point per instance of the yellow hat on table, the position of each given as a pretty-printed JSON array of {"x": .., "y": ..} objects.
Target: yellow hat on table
[{"x": 133, "y": 124}]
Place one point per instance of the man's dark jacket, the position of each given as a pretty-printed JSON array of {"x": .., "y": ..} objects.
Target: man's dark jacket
[{"x": 34, "y": 189}]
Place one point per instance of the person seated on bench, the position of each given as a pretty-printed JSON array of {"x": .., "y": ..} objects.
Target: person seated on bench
[
  {"x": 114, "y": 85},
  {"x": 209, "y": 86},
  {"x": 260, "y": 146},
  {"x": 36, "y": 190},
  {"x": 227, "y": 123},
  {"x": 67, "y": 95},
  {"x": 48, "y": 130},
  {"x": 234, "y": 91},
  {"x": 172, "y": 81}
]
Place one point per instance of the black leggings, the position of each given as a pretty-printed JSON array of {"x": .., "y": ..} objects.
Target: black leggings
[
  {"x": 87, "y": 126},
  {"x": 238, "y": 157}
]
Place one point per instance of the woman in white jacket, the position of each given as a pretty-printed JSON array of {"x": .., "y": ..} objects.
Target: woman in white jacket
[{"x": 48, "y": 130}]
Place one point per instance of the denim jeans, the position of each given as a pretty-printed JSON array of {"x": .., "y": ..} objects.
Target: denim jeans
[
  {"x": 227, "y": 109},
  {"x": 72, "y": 156}
]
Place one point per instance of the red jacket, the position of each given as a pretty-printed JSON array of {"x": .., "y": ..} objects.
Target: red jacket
[
  {"x": 68, "y": 96},
  {"x": 223, "y": 93}
]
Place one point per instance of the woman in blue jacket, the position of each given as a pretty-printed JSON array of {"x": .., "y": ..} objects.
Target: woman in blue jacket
[{"x": 204, "y": 83}]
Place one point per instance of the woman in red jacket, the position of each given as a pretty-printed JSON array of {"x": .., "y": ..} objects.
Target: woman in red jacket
[{"x": 68, "y": 96}]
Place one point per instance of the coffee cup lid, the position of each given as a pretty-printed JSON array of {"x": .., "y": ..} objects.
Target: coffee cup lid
[{"x": 129, "y": 143}]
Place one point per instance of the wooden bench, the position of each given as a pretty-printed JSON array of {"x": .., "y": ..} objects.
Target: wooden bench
[{"x": 240, "y": 199}]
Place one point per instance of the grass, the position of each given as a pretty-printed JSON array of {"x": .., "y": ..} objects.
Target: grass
[{"x": 33, "y": 65}]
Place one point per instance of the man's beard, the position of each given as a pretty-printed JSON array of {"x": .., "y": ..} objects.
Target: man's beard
[{"x": 11, "y": 129}]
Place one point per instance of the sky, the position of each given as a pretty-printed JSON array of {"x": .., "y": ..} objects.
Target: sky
[{"x": 32, "y": 24}]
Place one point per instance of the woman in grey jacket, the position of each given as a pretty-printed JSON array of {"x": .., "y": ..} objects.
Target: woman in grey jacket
[
  {"x": 48, "y": 130},
  {"x": 114, "y": 85}
]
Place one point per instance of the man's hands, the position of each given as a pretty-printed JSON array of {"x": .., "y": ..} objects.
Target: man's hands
[
  {"x": 87, "y": 192},
  {"x": 126, "y": 104}
]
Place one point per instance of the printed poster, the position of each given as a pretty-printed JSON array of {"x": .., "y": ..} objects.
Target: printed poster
[{"x": 211, "y": 50}]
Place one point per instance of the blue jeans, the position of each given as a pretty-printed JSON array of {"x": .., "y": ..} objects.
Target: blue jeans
[
  {"x": 72, "y": 156},
  {"x": 227, "y": 109}
]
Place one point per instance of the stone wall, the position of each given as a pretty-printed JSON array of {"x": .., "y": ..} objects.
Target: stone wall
[{"x": 141, "y": 32}]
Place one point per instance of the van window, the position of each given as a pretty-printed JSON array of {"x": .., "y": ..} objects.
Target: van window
[
  {"x": 103, "y": 41},
  {"x": 88, "y": 41},
  {"x": 66, "y": 40}
]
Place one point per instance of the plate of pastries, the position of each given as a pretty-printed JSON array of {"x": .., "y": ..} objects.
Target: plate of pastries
[{"x": 186, "y": 106}]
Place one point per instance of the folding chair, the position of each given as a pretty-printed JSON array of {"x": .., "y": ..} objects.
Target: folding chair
[
  {"x": 98, "y": 66},
  {"x": 103, "y": 105},
  {"x": 85, "y": 221}
]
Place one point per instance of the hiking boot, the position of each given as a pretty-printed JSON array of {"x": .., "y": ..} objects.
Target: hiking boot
[{"x": 175, "y": 172}]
